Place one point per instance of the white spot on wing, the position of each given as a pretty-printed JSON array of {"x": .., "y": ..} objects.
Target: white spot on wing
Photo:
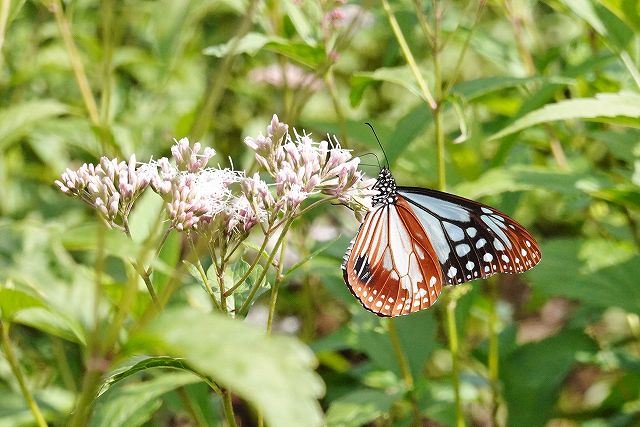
[
  {"x": 452, "y": 272},
  {"x": 462, "y": 249},
  {"x": 454, "y": 231}
]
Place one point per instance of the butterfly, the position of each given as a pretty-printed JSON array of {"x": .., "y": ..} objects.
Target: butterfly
[{"x": 415, "y": 240}]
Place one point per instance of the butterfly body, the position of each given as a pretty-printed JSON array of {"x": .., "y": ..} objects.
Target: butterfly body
[{"x": 415, "y": 240}]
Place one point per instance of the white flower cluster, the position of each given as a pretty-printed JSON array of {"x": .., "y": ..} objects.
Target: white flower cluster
[
  {"x": 303, "y": 167},
  {"x": 111, "y": 187}
]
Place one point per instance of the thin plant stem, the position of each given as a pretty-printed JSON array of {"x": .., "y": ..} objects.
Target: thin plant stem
[
  {"x": 333, "y": 92},
  {"x": 494, "y": 356},
  {"x": 465, "y": 46},
  {"x": 631, "y": 67},
  {"x": 403, "y": 364},
  {"x": 256, "y": 286},
  {"x": 527, "y": 59},
  {"x": 5, "y": 5},
  {"x": 204, "y": 278},
  {"x": 437, "y": 110},
  {"x": 76, "y": 63},
  {"x": 7, "y": 348},
  {"x": 203, "y": 121},
  {"x": 455, "y": 363},
  {"x": 252, "y": 265},
  {"x": 228, "y": 408},
  {"x": 106, "y": 11},
  {"x": 406, "y": 52},
  {"x": 276, "y": 286}
]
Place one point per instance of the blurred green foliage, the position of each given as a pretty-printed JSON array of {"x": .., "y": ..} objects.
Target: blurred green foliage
[{"x": 540, "y": 119}]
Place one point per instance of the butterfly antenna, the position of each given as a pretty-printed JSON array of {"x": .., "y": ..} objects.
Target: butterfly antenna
[
  {"x": 374, "y": 155},
  {"x": 376, "y": 135}
]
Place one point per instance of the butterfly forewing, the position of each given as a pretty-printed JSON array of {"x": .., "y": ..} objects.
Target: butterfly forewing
[
  {"x": 391, "y": 266},
  {"x": 471, "y": 240}
]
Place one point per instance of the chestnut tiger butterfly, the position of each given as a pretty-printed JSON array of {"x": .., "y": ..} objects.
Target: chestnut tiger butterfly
[{"x": 415, "y": 240}]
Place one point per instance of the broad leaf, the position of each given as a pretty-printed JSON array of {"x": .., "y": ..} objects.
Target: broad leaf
[
  {"x": 19, "y": 119},
  {"x": 274, "y": 373},
  {"x": 132, "y": 405},
  {"x": 532, "y": 376}
]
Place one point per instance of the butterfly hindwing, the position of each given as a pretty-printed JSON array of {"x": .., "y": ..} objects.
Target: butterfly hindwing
[
  {"x": 391, "y": 267},
  {"x": 471, "y": 240}
]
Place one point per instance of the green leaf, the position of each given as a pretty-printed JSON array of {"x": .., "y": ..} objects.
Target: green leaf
[
  {"x": 629, "y": 197},
  {"x": 252, "y": 43},
  {"x": 359, "y": 408},
  {"x": 472, "y": 89},
  {"x": 13, "y": 301},
  {"x": 567, "y": 270},
  {"x": 627, "y": 10},
  {"x": 28, "y": 309},
  {"x": 532, "y": 376},
  {"x": 274, "y": 373},
  {"x": 133, "y": 404},
  {"x": 140, "y": 363},
  {"x": 400, "y": 76},
  {"x": 603, "y": 21},
  {"x": 604, "y": 105},
  {"x": 54, "y": 322},
  {"x": 17, "y": 120},
  {"x": 312, "y": 255},
  {"x": 85, "y": 237}
]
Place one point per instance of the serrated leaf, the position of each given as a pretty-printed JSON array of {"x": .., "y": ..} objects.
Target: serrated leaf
[
  {"x": 274, "y": 373},
  {"x": 132, "y": 405},
  {"x": 19, "y": 119},
  {"x": 619, "y": 105}
]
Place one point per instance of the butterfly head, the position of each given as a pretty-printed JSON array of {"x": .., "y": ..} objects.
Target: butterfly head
[{"x": 386, "y": 187}]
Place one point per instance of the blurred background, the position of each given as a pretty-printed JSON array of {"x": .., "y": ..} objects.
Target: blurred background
[{"x": 539, "y": 107}]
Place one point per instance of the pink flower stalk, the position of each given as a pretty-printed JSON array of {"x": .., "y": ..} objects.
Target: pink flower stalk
[{"x": 111, "y": 187}]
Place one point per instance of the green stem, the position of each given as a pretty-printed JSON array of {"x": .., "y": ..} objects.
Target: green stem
[
  {"x": 106, "y": 9},
  {"x": 228, "y": 408},
  {"x": 274, "y": 289},
  {"x": 17, "y": 372},
  {"x": 455, "y": 367},
  {"x": 404, "y": 47},
  {"x": 631, "y": 67},
  {"x": 404, "y": 369},
  {"x": 76, "y": 63},
  {"x": 5, "y": 5},
  {"x": 253, "y": 264},
  {"x": 494, "y": 358},
  {"x": 256, "y": 286}
]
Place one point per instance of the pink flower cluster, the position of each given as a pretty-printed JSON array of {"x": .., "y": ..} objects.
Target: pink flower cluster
[
  {"x": 304, "y": 167},
  {"x": 111, "y": 187},
  {"x": 210, "y": 200}
]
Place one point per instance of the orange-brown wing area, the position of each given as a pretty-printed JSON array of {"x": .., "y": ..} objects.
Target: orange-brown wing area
[{"x": 391, "y": 267}]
